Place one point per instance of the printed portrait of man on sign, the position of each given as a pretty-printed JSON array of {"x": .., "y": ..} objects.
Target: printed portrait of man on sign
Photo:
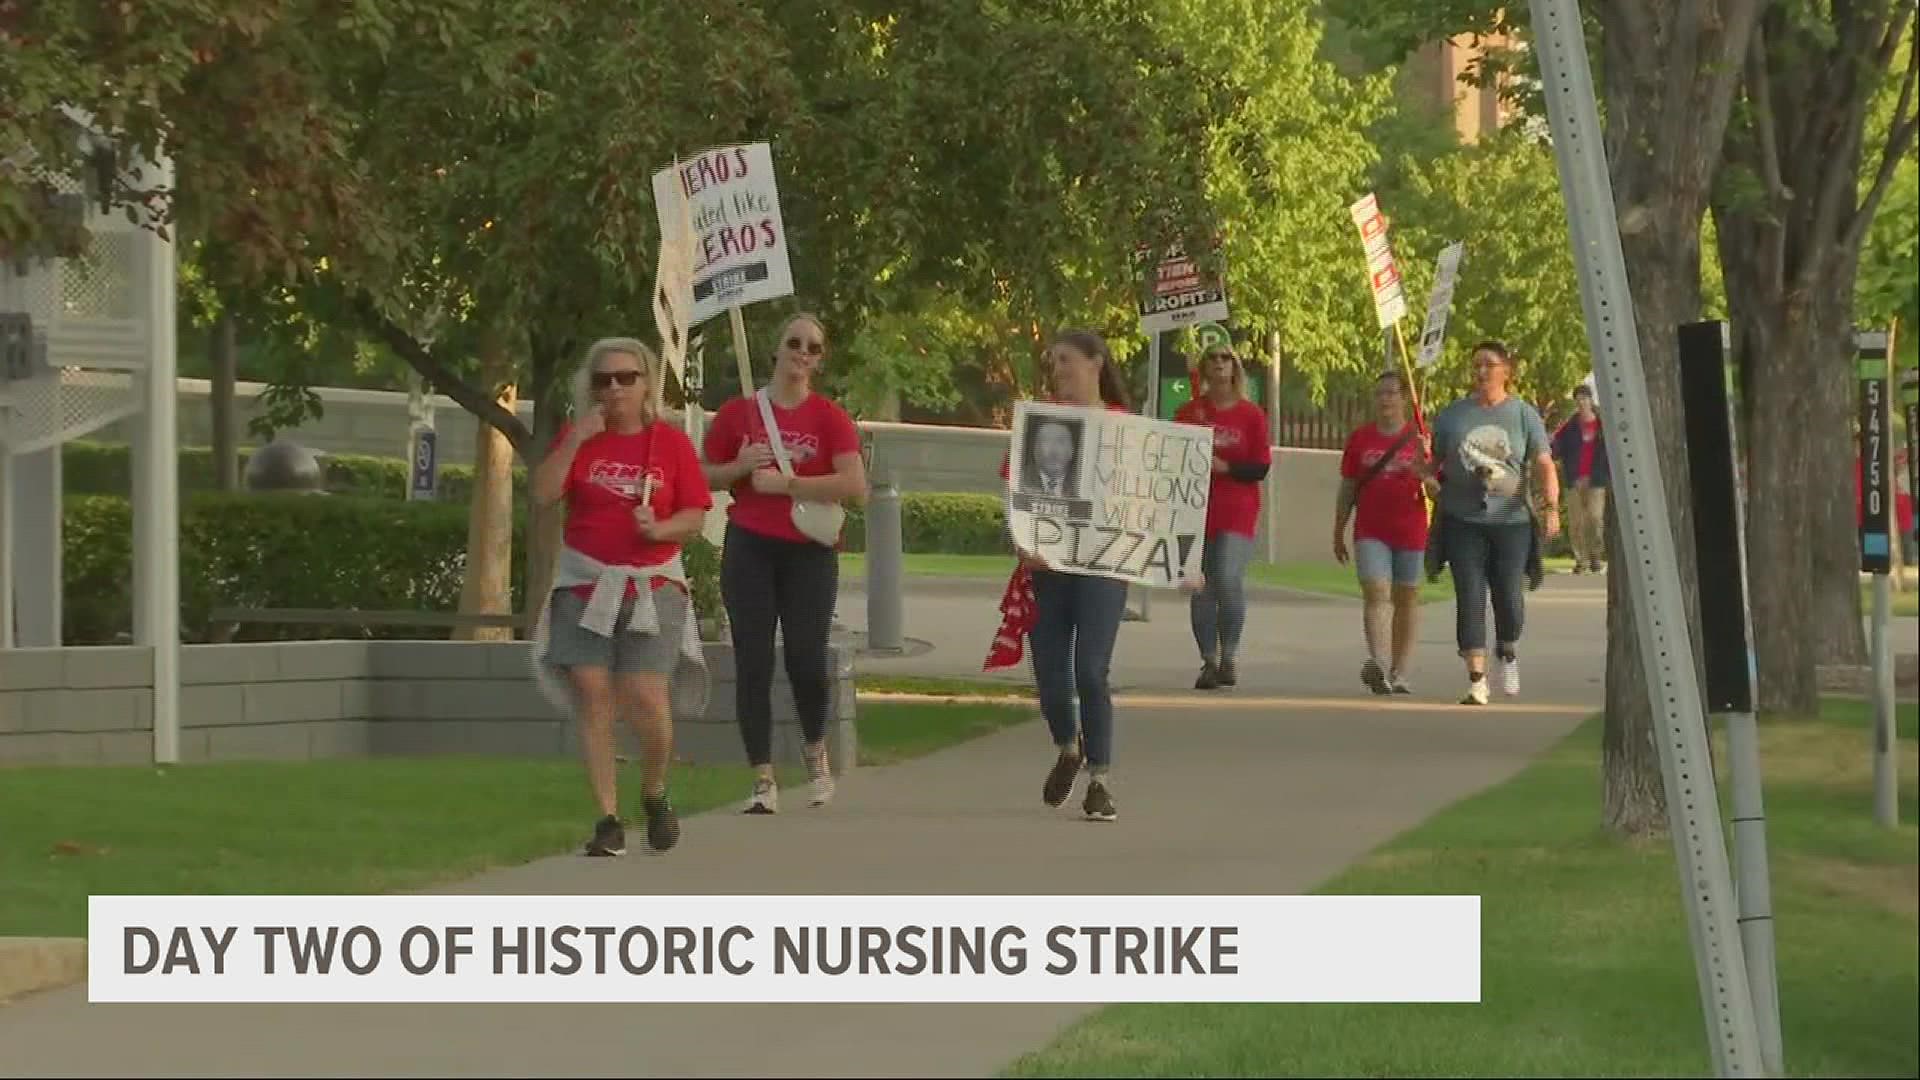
[{"x": 1051, "y": 452}]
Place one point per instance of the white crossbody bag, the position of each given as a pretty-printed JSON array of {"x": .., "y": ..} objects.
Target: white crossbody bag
[{"x": 820, "y": 522}]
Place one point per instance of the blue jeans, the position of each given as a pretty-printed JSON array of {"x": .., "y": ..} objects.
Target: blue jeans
[
  {"x": 1220, "y": 610},
  {"x": 1483, "y": 559},
  {"x": 1072, "y": 641}
]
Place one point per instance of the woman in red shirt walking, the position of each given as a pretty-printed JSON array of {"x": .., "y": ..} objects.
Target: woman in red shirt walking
[
  {"x": 1242, "y": 454},
  {"x": 1382, "y": 487},
  {"x": 618, "y": 628},
  {"x": 772, "y": 572}
]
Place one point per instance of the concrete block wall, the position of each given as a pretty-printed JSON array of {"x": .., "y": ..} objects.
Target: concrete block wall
[
  {"x": 918, "y": 457},
  {"x": 329, "y": 699}
]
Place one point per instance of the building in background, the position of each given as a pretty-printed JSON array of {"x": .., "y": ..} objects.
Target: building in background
[{"x": 1434, "y": 72}]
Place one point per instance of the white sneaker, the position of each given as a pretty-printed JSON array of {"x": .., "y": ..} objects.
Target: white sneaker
[
  {"x": 822, "y": 780},
  {"x": 766, "y": 797},
  {"x": 1476, "y": 693},
  {"x": 1509, "y": 672}
]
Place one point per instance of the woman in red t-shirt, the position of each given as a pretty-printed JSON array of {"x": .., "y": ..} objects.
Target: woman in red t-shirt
[
  {"x": 1382, "y": 486},
  {"x": 634, "y": 494},
  {"x": 772, "y": 573},
  {"x": 1242, "y": 454}
]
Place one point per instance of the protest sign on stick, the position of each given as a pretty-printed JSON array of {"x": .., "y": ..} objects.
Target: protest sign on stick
[
  {"x": 1110, "y": 494},
  {"x": 739, "y": 240},
  {"x": 1440, "y": 302}
]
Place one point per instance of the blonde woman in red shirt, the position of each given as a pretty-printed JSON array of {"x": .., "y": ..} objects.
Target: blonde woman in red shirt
[{"x": 1242, "y": 455}]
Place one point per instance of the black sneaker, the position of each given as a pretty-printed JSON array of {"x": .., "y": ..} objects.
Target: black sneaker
[
  {"x": 1229, "y": 674},
  {"x": 1209, "y": 678},
  {"x": 1374, "y": 678},
  {"x": 609, "y": 838},
  {"x": 1066, "y": 768},
  {"x": 663, "y": 825},
  {"x": 1099, "y": 803}
]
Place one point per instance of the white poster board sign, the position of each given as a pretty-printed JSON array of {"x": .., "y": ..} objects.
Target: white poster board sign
[
  {"x": 1177, "y": 292},
  {"x": 1383, "y": 274},
  {"x": 1446, "y": 273},
  {"x": 739, "y": 238},
  {"x": 1110, "y": 494}
]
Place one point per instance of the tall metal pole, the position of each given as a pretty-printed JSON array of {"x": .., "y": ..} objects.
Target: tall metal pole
[
  {"x": 1726, "y": 622},
  {"x": 157, "y": 529},
  {"x": 1651, "y": 562}
]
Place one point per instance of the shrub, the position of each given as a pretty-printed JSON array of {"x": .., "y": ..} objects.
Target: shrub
[
  {"x": 91, "y": 468},
  {"x": 294, "y": 551},
  {"x": 937, "y": 523}
]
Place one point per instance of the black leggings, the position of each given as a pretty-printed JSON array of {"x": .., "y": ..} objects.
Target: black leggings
[{"x": 763, "y": 581}]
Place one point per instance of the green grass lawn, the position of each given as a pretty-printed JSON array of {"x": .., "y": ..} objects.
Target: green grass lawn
[
  {"x": 343, "y": 826},
  {"x": 1587, "y": 969},
  {"x": 1326, "y": 578},
  {"x": 891, "y": 732}
]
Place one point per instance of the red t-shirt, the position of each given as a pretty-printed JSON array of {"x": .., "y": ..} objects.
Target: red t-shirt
[
  {"x": 609, "y": 474},
  {"x": 1390, "y": 508},
  {"x": 1590, "y": 438},
  {"x": 1239, "y": 437},
  {"x": 814, "y": 433}
]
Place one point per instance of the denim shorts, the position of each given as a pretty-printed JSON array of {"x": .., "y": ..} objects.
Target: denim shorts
[
  {"x": 1375, "y": 561},
  {"x": 625, "y": 653}
]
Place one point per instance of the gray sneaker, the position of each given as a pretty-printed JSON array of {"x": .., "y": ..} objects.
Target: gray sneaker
[{"x": 1099, "y": 802}]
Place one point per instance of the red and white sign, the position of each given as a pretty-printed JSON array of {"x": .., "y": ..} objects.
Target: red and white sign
[{"x": 1383, "y": 274}]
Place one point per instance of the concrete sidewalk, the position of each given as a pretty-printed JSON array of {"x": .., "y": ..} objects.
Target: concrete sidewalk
[
  {"x": 1268, "y": 790},
  {"x": 1212, "y": 800}
]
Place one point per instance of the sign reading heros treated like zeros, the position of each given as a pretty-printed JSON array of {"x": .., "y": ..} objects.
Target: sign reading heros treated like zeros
[
  {"x": 1109, "y": 494},
  {"x": 739, "y": 239}
]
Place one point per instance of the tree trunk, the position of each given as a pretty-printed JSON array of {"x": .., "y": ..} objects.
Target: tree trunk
[
  {"x": 1669, "y": 71},
  {"x": 543, "y": 523},
  {"x": 1666, "y": 292},
  {"x": 1772, "y": 343},
  {"x": 488, "y": 586},
  {"x": 1832, "y": 451},
  {"x": 223, "y": 352}
]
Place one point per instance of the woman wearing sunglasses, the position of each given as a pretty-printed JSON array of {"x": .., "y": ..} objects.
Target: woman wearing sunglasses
[
  {"x": 1241, "y": 457},
  {"x": 781, "y": 565},
  {"x": 618, "y": 629}
]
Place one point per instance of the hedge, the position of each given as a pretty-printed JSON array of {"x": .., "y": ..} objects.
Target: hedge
[
  {"x": 951, "y": 524},
  {"x": 91, "y": 468},
  {"x": 294, "y": 551}
]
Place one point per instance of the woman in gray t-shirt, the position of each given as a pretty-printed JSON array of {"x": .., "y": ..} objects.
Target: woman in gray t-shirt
[{"x": 1484, "y": 447}]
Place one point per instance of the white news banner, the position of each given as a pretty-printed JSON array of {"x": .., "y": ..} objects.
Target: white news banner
[{"x": 758, "y": 949}]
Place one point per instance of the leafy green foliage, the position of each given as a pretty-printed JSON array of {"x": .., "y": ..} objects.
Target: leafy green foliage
[
  {"x": 293, "y": 551},
  {"x": 1517, "y": 281},
  {"x": 952, "y": 524}
]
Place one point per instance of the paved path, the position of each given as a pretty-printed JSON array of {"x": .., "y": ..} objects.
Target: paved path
[{"x": 1231, "y": 796}]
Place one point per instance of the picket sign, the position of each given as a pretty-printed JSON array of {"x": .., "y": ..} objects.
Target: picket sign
[
  {"x": 1440, "y": 302},
  {"x": 1110, "y": 494},
  {"x": 727, "y": 202}
]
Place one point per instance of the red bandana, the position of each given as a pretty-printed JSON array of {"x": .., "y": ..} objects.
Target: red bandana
[{"x": 1017, "y": 610}]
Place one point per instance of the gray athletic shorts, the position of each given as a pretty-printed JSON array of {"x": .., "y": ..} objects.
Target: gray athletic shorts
[{"x": 625, "y": 653}]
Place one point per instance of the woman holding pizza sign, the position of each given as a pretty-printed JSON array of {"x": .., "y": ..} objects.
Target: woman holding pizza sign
[
  {"x": 1071, "y": 620},
  {"x": 781, "y": 565},
  {"x": 1383, "y": 487},
  {"x": 1241, "y": 457}
]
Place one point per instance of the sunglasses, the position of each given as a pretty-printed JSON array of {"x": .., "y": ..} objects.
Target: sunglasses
[
  {"x": 604, "y": 379},
  {"x": 811, "y": 348}
]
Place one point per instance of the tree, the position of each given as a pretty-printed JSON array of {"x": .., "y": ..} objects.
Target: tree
[
  {"x": 1805, "y": 175},
  {"x": 1517, "y": 284}
]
